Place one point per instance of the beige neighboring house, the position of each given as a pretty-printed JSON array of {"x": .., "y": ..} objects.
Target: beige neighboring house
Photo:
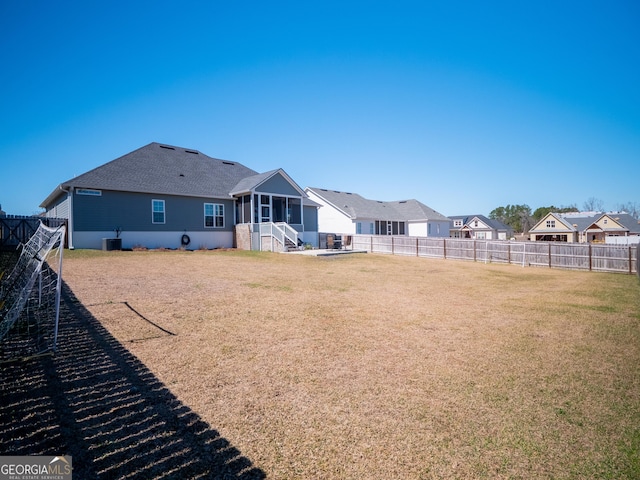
[{"x": 587, "y": 227}]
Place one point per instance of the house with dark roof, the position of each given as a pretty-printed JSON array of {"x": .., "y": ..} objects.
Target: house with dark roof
[
  {"x": 587, "y": 227},
  {"x": 479, "y": 227},
  {"x": 349, "y": 213},
  {"x": 163, "y": 196}
]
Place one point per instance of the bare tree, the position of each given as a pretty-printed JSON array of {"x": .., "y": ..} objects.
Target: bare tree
[
  {"x": 632, "y": 208},
  {"x": 593, "y": 205}
]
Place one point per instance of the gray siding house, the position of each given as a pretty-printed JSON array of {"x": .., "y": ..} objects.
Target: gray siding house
[{"x": 163, "y": 196}]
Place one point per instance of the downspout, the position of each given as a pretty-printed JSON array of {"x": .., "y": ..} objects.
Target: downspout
[{"x": 70, "y": 229}]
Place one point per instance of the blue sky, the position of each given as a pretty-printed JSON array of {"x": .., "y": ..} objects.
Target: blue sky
[{"x": 465, "y": 106}]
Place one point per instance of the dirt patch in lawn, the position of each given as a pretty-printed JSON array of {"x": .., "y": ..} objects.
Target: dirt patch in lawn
[{"x": 370, "y": 366}]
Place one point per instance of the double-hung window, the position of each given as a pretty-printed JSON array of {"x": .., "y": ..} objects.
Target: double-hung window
[
  {"x": 213, "y": 215},
  {"x": 157, "y": 211}
]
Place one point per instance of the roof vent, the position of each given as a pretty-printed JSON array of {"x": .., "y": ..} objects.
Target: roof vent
[
  {"x": 402, "y": 201},
  {"x": 182, "y": 174},
  {"x": 228, "y": 163},
  {"x": 192, "y": 151},
  {"x": 167, "y": 147}
]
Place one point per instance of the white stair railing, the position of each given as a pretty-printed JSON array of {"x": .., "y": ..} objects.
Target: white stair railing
[
  {"x": 289, "y": 232},
  {"x": 280, "y": 231}
]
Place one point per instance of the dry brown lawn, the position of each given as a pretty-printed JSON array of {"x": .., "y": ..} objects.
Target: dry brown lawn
[{"x": 370, "y": 366}]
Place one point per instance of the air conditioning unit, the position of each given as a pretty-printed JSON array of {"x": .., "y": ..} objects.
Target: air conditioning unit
[{"x": 110, "y": 244}]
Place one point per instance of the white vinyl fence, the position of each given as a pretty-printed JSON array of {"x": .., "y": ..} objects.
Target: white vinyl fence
[{"x": 578, "y": 256}]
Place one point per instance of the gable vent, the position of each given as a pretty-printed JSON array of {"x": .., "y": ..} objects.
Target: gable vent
[{"x": 192, "y": 151}]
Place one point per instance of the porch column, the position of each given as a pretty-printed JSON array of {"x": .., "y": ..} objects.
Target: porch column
[{"x": 302, "y": 212}]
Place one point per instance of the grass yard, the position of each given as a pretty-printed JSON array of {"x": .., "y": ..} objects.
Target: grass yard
[{"x": 370, "y": 366}]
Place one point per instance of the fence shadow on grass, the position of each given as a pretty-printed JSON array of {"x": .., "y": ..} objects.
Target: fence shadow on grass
[{"x": 97, "y": 402}]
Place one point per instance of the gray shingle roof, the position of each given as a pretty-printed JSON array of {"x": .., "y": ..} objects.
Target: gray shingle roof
[
  {"x": 578, "y": 224},
  {"x": 164, "y": 169},
  {"x": 356, "y": 206},
  {"x": 249, "y": 183},
  {"x": 629, "y": 221},
  {"x": 413, "y": 210},
  {"x": 583, "y": 220}
]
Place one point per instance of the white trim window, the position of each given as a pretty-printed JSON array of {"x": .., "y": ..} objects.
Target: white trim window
[
  {"x": 157, "y": 211},
  {"x": 213, "y": 215}
]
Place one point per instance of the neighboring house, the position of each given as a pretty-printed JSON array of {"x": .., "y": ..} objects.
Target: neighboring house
[
  {"x": 583, "y": 227},
  {"x": 479, "y": 227},
  {"x": 554, "y": 228},
  {"x": 167, "y": 196},
  {"x": 350, "y": 213}
]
